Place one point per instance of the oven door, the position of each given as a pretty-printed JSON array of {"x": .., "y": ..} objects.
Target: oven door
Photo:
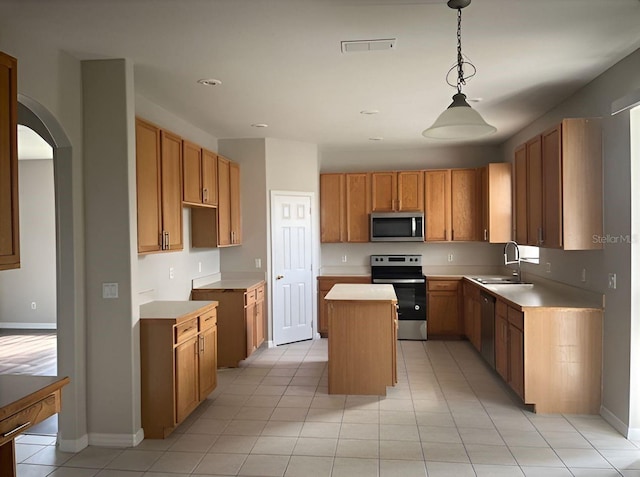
[{"x": 412, "y": 297}]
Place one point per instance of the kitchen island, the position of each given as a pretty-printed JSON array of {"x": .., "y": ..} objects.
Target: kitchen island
[{"x": 362, "y": 338}]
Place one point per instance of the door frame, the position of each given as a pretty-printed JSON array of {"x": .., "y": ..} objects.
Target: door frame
[{"x": 315, "y": 259}]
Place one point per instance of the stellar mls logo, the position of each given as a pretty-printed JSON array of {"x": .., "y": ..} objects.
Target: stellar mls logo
[{"x": 615, "y": 239}]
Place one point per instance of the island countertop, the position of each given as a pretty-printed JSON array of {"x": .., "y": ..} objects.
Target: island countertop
[{"x": 362, "y": 292}]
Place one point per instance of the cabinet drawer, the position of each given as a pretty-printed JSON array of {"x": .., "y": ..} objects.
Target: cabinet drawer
[
  {"x": 250, "y": 297},
  {"x": 23, "y": 420},
  {"x": 260, "y": 293},
  {"x": 207, "y": 320},
  {"x": 516, "y": 318},
  {"x": 442, "y": 285},
  {"x": 186, "y": 330},
  {"x": 501, "y": 308}
]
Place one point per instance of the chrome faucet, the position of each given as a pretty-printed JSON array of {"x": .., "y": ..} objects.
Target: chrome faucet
[{"x": 516, "y": 258}]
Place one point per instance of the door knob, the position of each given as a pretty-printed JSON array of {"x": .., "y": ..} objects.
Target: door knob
[{"x": 279, "y": 277}]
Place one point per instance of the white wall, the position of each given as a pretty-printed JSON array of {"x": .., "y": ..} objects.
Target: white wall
[
  {"x": 595, "y": 101},
  {"x": 35, "y": 280}
]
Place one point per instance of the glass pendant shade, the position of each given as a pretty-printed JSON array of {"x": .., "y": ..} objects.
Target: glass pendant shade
[{"x": 459, "y": 121}]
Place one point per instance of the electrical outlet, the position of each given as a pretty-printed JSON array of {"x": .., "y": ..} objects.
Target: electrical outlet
[
  {"x": 548, "y": 268},
  {"x": 171, "y": 273},
  {"x": 33, "y": 305},
  {"x": 583, "y": 277},
  {"x": 344, "y": 259},
  {"x": 199, "y": 267},
  {"x": 612, "y": 281},
  {"x": 258, "y": 263},
  {"x": 450, "y": 257}
]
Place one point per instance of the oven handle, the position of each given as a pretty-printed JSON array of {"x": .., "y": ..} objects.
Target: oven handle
[{"x": 398, "y": 280}]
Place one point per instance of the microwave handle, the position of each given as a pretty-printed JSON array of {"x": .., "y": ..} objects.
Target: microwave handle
[{"x": 413, "y": 226}]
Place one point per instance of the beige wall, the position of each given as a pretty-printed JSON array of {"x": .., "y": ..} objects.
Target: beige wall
[{"x": 35, "y": 280}]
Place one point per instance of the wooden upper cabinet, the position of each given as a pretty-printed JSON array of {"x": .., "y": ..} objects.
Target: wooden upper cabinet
[
  {"x": 171, "y": 184},
  {"x": 224, "y": 202},
  {"x": 464, "y": 205},
  {"x": 397, "y": 191},
  {"x": 563, "y": 186},
  {"x": 358, "y": 206},
  {"x": 495, "y": 202},
  {"x": 199, "y": 176},
  {"x": 437, "y": 205},
  {"x": 520, "y": 195},
  {"x": 552, "y": 188},
  {"x": 332, "y": 208},
  {"x": 534, "y": 191},
  {"x": 234, "y": 204},
  {"x": 9, "y": 214},
  {"x": 209, "y": 178},
  {"x": 159, "y": 188},
  {"x": 191, "y": 173}
]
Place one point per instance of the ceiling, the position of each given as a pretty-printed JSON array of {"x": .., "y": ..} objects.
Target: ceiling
[{"x": 280, "y": 61}]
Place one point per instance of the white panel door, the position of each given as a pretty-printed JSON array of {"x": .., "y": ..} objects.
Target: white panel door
[{"x": 292, "y": 274}]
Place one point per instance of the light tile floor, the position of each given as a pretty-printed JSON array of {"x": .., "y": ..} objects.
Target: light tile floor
[{"x": 449, "y": 415}]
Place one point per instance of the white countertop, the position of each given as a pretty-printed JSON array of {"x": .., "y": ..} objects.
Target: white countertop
[
  {"x": 171, "y": 309},
  {"x": 231, "y": 284},
  {"x": 361, "y": 292},
  {"x": 543, "y": 294}
]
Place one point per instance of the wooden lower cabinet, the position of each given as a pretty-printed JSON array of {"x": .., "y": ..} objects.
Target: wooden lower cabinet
[
  {"x": 241, "y": 320},
  {"x": 177, "y": 362},
  {"x": 325, "y": 283},
  {"x": 443, "y": 309},
  {"x": 551, "y": 357},
  {"x": 472, "y": 314}
]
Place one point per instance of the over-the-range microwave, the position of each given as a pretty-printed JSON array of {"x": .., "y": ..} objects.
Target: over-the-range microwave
[{"x": 397, "y": 227}]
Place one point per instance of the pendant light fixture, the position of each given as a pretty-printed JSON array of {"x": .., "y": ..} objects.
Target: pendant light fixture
[{"x": 459, "y": 120}]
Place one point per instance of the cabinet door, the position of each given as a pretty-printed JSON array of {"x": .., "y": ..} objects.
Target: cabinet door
[
  {"x": 516, "y": 360},
  {"x": 250, "y": 317},
  {"x": 520, "y": 194},
  {"x": 9, "y": 216},
  {"x": 358, "y": 207},
  {"x": 259, "y": 323},
  {"x": 437, "y": 205},
  {"x": 148, "y": 187},
  {"x": 443, "y": 314},
  {"x": 501, "y": 346},
  {"x": 186, "y": 383},
  {"x": 191, "y": 173},
  {"x": 384, "y": 192},
  {"x": 209, "y": 178},
  {"x": 495, "y": 202},
  {"x": 224, "y": 205},
  {"x": 534, "y": 191},
  {"x": 332, "y": 208},
  {"x": 207, "y": 365},
  {"x": 476, "y": 324},
  {"x": 552, "y": 188},
  {"x": 464, "y": 200},
  {"x": 171, "y": 184},
  {"x": 234, "y": 203},
  {"x": 411, "y": 191},
  {"x": 483, "y": 180}
]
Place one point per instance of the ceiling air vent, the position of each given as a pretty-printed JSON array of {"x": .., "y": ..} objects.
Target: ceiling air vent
[{"x": 367, "y": 45}]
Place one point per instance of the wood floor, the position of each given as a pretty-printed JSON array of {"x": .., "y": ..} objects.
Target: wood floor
[{"x": 28, "y": 352}]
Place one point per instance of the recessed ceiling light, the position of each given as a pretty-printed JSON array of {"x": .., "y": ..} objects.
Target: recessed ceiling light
[
  {"x": 474, "y": 100},
  {"x": 259, "y": 125},
  {"x": 210, "y": 82},
  {"x": 376, "y": 138},
  {"x": 369, "y": 111}
]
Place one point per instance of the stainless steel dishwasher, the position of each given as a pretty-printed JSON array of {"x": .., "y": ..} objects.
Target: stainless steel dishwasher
[{"x": 487, "y": 328}]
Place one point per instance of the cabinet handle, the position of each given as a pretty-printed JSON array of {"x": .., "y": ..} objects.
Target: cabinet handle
[
  {"x": 452, "y": 235},
  {"x": 485, "y": 234},
  {"x": 187, "y": 329},
  {"x": 204, "y": 195},
  {"x": 196, "y": 346},
  {"x": 540, "y": 239}
]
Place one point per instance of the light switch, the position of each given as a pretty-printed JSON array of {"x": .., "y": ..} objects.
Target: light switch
[{"x": 109, "y": 290}]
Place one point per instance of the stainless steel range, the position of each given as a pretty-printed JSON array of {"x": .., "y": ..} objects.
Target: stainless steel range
[{"x": 404, "y": 272}]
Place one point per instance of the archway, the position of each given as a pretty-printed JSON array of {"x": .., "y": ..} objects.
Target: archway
[{"x": 72, "y": 427}]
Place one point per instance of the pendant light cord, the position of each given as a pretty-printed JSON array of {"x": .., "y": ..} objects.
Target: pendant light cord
[{"x": 461, "y": 80}]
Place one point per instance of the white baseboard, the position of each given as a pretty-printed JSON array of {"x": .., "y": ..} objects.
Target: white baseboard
[
  {"x": 73, "y": 445},
  {"x": 28, "y": 326},
  {"x": 617, "y": 424},
  {"x": 271, "y": 344},
  {"x": 116, "y": 440}
]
